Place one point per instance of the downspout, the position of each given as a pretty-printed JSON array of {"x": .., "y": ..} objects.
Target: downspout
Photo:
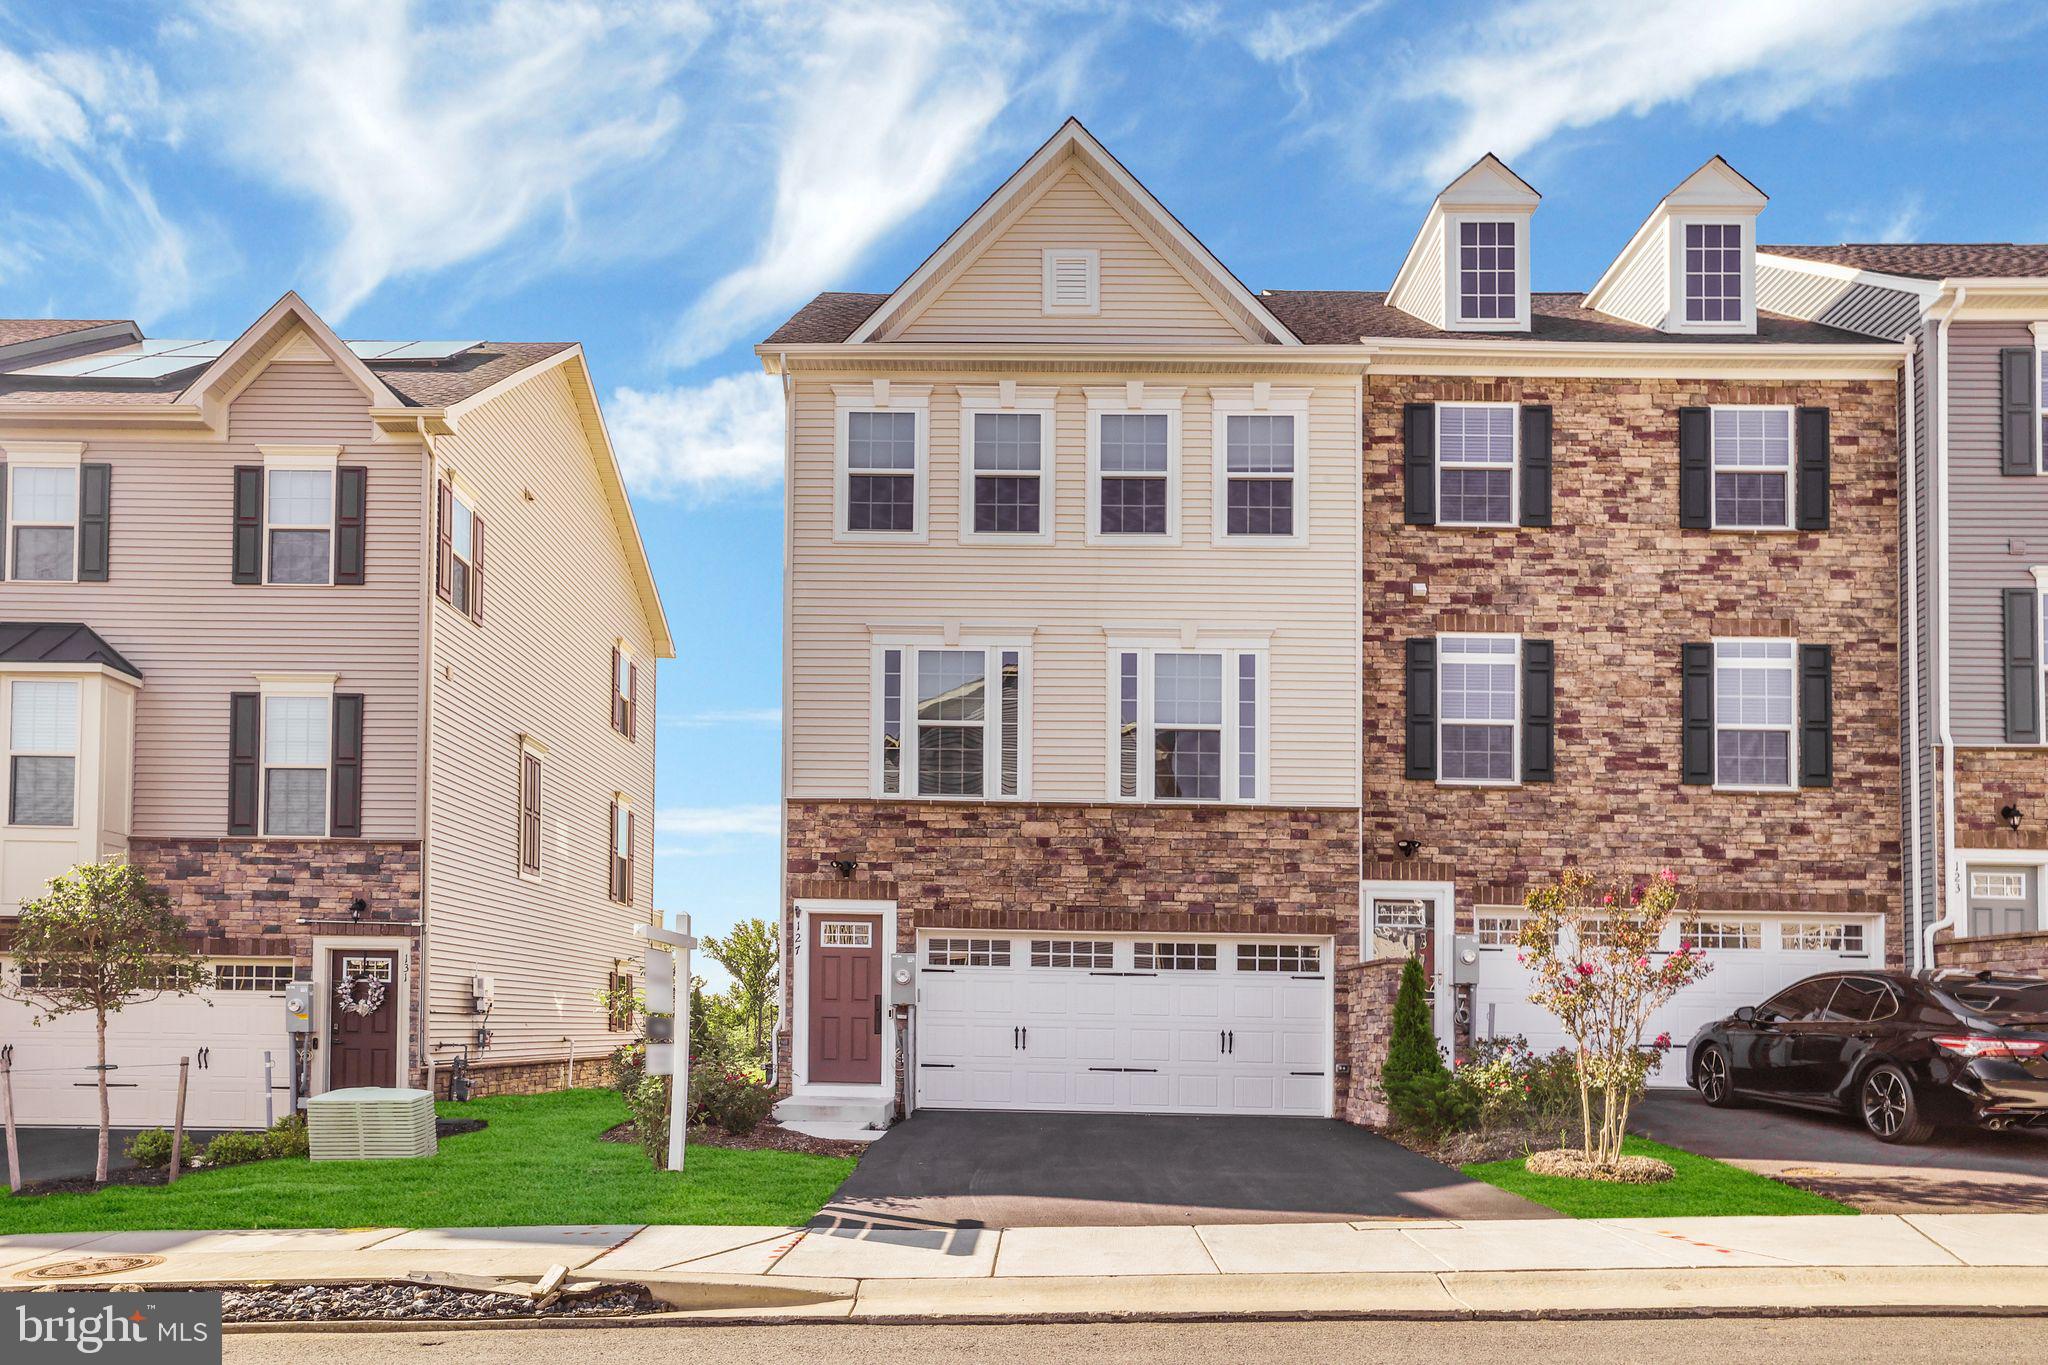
[
  {"x": 427, "y": 534},
  {"x": 1951, "y": 902},
  {"x": 787, "y": 987},
  {"x": 1914, "y": 851}
]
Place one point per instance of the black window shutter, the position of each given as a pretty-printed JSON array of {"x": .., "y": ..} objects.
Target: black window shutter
[
  {"x": 1418, "y": 428},
  {"x": 1813, "y": 470},
  {"x": 1536, "y": 466},
  {"x": 1695, "y": 470},
  {"x": 1816, "y": 715},
  {"x": 2022, "y": 666},
  {"x": 632, "y": 699},
  {"x": 242, "y": 765},
  {"x": 1422, "y": 710},
  {"x": 1697, "y": 707},
  {"x": 444, "y": 518},
  {"x": 248, "y": 523},
  {"x": 1539, "y": 712},
  {"x": 2018, "y": 435},
  {"x": 351, "y": 504},
  {"x": 348, "y": 765},
  {"x": 95, "y": 506}
]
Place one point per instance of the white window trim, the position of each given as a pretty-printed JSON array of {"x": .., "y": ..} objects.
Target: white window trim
[
  {"x": 529, "y": 747},
  {"x": 271, "y": 685},
  {"x": 1260, "y": 400},
  {"x": 1675, "y": 270},
  {"x": 1008, "y": 397},
  {"x": 77, "y": 762},
  {"x": 21, "y": 455},
  {"x": 1791, "y": 783},
  {"x": 1131, "y": 398},
  {"x": 623, "y": 672},
  {"x": 1514, "y": 726},
  {"x": 1714, "y": 468},
  {"x": 1456, "y": 321},
  {"x": 993, "y": 650},
  {"x": 1093, "y": 257},
  {"x": 882, "y": 396},
  {"x": 1436, "y": 459},
  {"x": 1147, "y": 649},
  {"x": 317, "y": 459}
]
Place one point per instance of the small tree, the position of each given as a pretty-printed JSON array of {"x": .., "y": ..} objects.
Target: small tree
[
  {"x": 752, "y": 954},
  {"x": 99, "y": 939},
  {"x": 1595, "y": 957},
  {"x": 1417, "y": 1084}
]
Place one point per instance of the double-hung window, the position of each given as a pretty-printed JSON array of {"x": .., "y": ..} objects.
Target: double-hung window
[
  {"x": 299, "y": 524},
  {"x": 1475, "y": 463},
  {"x": 952, "y": 721},
  {"x": 1755, "y": 713},
  {"x": 42, "y": 752},
  {"x": 880, "y": 477},
  {"x": 1752, "y": 454},
  {"x": 1486, "y": 271},
  {"x": 461, "y": 552},
  {"x": 1188, "y": 725},
  {"x": 1006, "y": 471},
  {"x": 1713, "y": 272},
  {"x": 43, "y": 519},
  {"x": 1134, "y": 464},
  {"x": 620, "y": 861},
  {"x": 295, "y": 753},
  {"x": 1260, "y": 469},
  {"x": 1479, "y": 700}
]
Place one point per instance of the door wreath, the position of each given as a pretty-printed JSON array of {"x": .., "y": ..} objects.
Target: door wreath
[{"x": 350, "y": 1002}]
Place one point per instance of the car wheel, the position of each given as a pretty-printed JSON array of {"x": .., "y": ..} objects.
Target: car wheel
[
  {"x": 1710, "y": 1074},
  {"x": 1890, "y": 1110}
]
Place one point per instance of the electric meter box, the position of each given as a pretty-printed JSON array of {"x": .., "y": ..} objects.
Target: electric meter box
[
  {"x": 298, "y": 1007},
  {"x": 1465, "y": 960},
  {"x": 903, "y": 979}
]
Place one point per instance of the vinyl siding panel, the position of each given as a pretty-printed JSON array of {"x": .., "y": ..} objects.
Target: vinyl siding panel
[
  {"x": 1144, "y": 295},
  {"x": 170, "y": 607},
  {"x": 557, "y": 594},
  {"x": 1074, "y": 594},
  {"x": 1642, "y": 293},
  {"x": 1998, "y": 529},
  {"x": 1919, "y": 547},
  {"x": 1857, "y": 306},
  {"x": 1425, "y": 295}
]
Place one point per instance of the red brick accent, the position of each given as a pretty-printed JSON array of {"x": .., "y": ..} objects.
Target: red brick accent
[{"x": 1619, "y": 587}]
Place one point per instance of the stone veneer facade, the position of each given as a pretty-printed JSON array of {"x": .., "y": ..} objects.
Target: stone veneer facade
[
  {"x": 1619, "y": 588},
  {"x": 1987, "y": 781},
  {"x": 1040, "y": 867},
  {"x": 2026, "y": 954}
]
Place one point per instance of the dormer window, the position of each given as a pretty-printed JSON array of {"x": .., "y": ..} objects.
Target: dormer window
[
  {"x": 1486, "y": 271},
  {"x": 1713, "y": 272},
  {"x": 1468, "y": 270}
]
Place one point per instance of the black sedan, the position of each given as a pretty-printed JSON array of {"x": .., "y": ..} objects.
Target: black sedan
[{"x": 1903, "y": 1052}]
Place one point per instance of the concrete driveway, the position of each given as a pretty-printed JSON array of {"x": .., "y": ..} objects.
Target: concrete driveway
[
  {"x": 1004, "y": 1170},
  {"x": 1959, "y": 1171}
]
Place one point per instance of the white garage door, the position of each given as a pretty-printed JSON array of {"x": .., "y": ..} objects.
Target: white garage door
[
  {"x": 1210, "y": 1026},
  {"x": 225, "y": 1031},
  {"x": 1753, "y": 957}
]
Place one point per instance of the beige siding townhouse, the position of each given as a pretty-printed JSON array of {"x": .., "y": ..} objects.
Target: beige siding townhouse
[{"x": 283, "y": 620}]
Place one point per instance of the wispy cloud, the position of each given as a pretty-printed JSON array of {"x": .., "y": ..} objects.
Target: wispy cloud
[
  {"x": 1288, "y": 34},
  {"x": 717, "y": 720},
  {"x": 1532, "y": 70},
  {"x": 699, "y": 440},
  {"x": 1900, "y": 222},
  {"x": 705, "y": 822}
]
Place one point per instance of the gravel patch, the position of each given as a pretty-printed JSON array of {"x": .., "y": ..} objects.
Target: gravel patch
[{"x": 388, "y": 1302}]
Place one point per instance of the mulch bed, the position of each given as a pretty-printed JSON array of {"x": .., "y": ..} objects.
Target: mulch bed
[
  {"x": 385, "y": 1302},
  {"x": 446, "y": 1128},
  {"x": 769, "y": 1137}
]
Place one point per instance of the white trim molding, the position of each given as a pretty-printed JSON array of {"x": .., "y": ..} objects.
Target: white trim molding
[
  {"x": 882, "y": 396},
  {"x": 1260, "y": 400},
  {"x": 1136, "y": 397},
  {"x": 979, "y": 400},
  {"x": 800, "y": 999}
]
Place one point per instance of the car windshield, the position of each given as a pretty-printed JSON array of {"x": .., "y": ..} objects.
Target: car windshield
[{"x": 2000, "y": 997}]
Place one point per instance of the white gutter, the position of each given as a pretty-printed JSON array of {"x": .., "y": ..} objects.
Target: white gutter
[
  {"x": 1912, "y": 557},
  {"x": 428, "y": 532},
  {"x": 1951, "y": 898},
  {"x": 787, "y": 982}
]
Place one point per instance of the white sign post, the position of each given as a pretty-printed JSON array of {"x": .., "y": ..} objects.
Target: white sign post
[{"x": 668, "y": 961}]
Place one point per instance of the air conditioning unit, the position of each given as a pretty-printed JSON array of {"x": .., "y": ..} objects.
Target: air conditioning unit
[{"x": 370, "y": 1123}]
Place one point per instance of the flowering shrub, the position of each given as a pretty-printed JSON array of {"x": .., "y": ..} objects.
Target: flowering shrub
[
  {"x": 1595, "y": 957},
  {"x": 732, "y": 1101}
]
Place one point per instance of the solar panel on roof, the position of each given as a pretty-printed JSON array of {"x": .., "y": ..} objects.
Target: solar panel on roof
[
  {"x": 100, "y": 362},
  {"x": 372, "y": 350},
  {"x": 151, "y": 366},
  {"x": 410, "y": 350}
]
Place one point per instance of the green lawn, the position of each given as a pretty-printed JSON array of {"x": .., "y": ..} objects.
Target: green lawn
[
  {"x": 1702, "y": 1187},
  {"x": 540, "y": 1161}
]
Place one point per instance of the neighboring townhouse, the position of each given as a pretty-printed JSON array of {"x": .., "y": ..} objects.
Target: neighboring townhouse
[
  {"x": 351, "y": 646},
  {"x": 1971, "y": 319},
  {"x": 1167, "y": 662}
]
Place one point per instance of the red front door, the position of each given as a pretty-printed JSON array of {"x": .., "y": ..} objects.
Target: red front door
[
  {"x": 846, "y": 1000},
  {"x": 362, "y": 1048}
]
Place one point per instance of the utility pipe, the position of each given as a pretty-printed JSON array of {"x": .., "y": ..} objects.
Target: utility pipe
[
  {"x": 1951, "y": 898},
  {"x": 1911, "y": 554}
]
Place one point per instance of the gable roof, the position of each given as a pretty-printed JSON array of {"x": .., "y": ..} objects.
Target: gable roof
[
  {"x": 1715, "y": 185},
  {"x": 1073, "y": 141},
  {"x": 1338, "y": 317},
  {"x": 1930, "y": 260},
  {"x": 59, "y": 642},
  {"x": 1488, "y": 183},
  {"x": 246, "y": 354}
]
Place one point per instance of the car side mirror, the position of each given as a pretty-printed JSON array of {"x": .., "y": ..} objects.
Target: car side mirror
[{"x": 1745, "y": 1014}]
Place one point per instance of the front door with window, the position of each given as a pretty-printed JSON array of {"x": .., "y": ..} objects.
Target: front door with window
[
  {"x": 362, "y": 1038},
  {"x": 2001, "y": 900},
  {"x": 845, "y": 1000}
]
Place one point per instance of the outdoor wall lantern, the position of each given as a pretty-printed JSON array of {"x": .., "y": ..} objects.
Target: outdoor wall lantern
[
  {"x": 357, "y": 908},
  {"x": 2011, "y": 816},
  {"x": 844, "y": 866}
]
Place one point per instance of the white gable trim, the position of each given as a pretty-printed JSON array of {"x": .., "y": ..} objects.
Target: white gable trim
[
  {"x": 1030, "y": 181},
  {"x": 207, "y": 388}
]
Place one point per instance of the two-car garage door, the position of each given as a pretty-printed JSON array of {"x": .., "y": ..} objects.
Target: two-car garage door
[{"x": 1187, "y": 1026}]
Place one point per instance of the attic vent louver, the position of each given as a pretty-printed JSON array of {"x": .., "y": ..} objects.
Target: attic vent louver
[{"x": 1070, "y": 281}]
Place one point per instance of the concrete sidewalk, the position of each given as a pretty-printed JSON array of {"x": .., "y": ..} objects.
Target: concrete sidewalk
[{"x": 1423, "y": 1267}]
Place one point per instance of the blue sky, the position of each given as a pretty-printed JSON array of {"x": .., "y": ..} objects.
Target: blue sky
[{"x": 664, "y": 181}]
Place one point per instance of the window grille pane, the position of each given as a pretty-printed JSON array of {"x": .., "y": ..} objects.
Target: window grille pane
[
  {"x": 1127, "y": 725},
  {"x": 1727, "y": 935},
  {"x": 1088, "y": 954},
  {"x": 1005, "y": 441},
  {"x": 295, "y": 730},
  {"x": 949, "y": 760},
  {"x": 1478, "y": 753},
  {"x": 1749, "y": 500},
  {"x": 892, "y": 720},
  {"x": 1756, "y": 438},
  {"x": 45, "y": 718},
  {"x": 1823, "y": 937},
  {"x": 1187, "y": 689},
  {"x": 458, "y": 585},
  {"x": 881, "y": 502},
  {"x": 951, "y": 684},
  {"x": 1134, "y": 507},
  {"x": 259, "y": 977},
  {"x": 1247, "y": 727},
  {"x": 1279, "y": 957},
  {"x": 42, "y": 554},
  {"x": 1475, "y": 435},
  {"x": 1006, "y": 504},
  {"x": 1713, "y": 272},
  {"x": 303, "y": 497},
  {"x": 1187, "y": 765},
  {"x": 1173, "y": 957},
  {"x": 1753, "y": 758},
  {"x": 461, "y": 529},
  {"x": 1013, "y": 706},
  {"x": 1478, "y": 691},
  {"x": 1259, "y": 443},
  {"x": 1480, "y": 496},
  {"x": 42, "y": 790},
  {"x": 1748, "y": 695},
  {"x": 1134, "y": 442},
  {"x": 881, "y": 440},
  {"x": 45, "y": 495},
  {"x": 302, "y": 557},
  {"x": 1499, "y": 931},
  {"x": 1486, "y": 271},
  {"x": 1259, "y": 507},
  {"x": 296, "y": 801}
]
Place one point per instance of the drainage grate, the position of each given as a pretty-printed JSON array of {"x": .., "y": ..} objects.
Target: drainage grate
[{"x": 89, "y": 1267}]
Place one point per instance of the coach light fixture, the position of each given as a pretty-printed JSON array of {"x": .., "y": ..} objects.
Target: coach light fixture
[{"x": 2011, "y": 816}]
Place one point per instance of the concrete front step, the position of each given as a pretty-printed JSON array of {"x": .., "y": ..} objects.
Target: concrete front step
[{"x": 831, "y": 1116}]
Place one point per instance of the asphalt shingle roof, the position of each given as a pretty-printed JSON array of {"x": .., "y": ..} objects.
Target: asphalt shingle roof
[
  {"x": 1931, "y": 260},
  {"x": 58, "y": 642},
  {"x": 16, "y": 330}
]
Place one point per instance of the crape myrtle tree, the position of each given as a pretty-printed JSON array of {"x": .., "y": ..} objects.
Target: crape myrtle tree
[
  {"x": 100, "y": 939},
  {"x": 1594, "y": 950}
]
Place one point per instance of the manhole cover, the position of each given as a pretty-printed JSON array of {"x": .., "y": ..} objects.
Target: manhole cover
[{"x": 89, "y": 1267}]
